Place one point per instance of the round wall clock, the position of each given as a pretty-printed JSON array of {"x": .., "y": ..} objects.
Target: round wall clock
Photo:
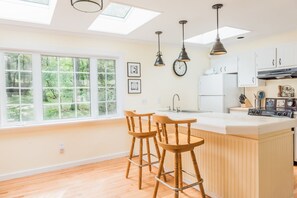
[{"x": 180, "y": 68}]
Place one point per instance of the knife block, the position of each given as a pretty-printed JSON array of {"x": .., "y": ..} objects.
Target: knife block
[{"x": 246, "y": 104}]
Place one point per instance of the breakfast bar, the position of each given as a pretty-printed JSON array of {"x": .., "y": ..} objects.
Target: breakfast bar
[{"x": 243, "y": 156}]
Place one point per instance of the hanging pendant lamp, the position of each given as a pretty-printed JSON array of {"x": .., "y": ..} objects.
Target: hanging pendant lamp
[
  {"x": 89, "y": 6},
  {"x": 218, "y": 48},
  {"x": 183, "y": 56},
  {"x": 159, "y": 60}
]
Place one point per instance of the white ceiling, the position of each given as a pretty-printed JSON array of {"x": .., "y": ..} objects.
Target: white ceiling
[{"x": 262, "y": 17}]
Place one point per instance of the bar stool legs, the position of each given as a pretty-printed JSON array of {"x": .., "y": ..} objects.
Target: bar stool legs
[
  {"x": 178, "y": 179},
  {"x": 149, "y": 154},
  {"x": 200, "y": 180},
  {"x": 180, "y": 173},
  {"x": 176, "y": 174},
  {"x": 140, "y": 163},
  {"x": 130, "y": 157},
  {"x": 159, "y": 173}
]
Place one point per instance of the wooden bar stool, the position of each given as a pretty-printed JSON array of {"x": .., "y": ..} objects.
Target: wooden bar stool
[
  {"x": 177, "y": 143},
  {"x": 141, "y": 131}
]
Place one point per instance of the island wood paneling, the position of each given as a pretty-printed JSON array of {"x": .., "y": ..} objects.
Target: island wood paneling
[{"x": 230, "y": 165}]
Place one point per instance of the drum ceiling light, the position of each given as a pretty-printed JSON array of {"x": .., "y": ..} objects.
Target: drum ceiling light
[{"x": 89, "y": 6}]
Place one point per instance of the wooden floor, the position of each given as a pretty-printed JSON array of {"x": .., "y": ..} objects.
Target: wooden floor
[{"x": 100, "y": 180}]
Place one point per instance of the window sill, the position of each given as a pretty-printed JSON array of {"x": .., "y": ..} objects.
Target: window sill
[{"x": 60, "y": 124}]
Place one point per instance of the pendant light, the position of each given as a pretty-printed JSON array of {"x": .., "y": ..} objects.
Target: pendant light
[
  {"x": 89, "y": 6},
  {"x": 159, "y": 60},
  {"x": 183, "y": 56},
  {"x": 218, "y": 48}
]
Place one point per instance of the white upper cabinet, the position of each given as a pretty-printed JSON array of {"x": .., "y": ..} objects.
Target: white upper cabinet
[
  {"x": 266, "y": 58},
  {"x": 247, "y": 75},
  {"x": 282, "y": 56},
  {"x": 287, "y": 55},
  {"x": 224, "y": 64}
]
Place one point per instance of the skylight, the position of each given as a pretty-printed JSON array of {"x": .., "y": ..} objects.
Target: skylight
[
  {"x": 210, "y": 37},
  {"x": 117, "y": 10},
  {"x": 33, "y": 11},
  {"x": 122, "y": 19}
]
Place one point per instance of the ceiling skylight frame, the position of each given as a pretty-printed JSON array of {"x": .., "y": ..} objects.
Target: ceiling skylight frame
[
  {"x": 135, "y": 18},
  {"x": 25, "y": 11},
  {"x": 210, "y": 37}
]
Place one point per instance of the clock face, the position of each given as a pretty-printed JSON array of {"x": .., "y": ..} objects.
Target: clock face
[{"x": 179, "y": 68}]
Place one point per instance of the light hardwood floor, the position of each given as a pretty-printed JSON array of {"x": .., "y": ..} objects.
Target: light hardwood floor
[{"x": 100, "y": 180}]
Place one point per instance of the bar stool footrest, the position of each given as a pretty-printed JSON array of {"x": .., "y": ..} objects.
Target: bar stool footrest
[
  {"x": 144, "y": 165},
  {"x": 178, "y": 189}
]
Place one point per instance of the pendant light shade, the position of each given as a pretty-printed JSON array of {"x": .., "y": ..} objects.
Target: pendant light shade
[
  {"x": 183, "y": 55},
  {"x": 87, "y": 5},
  {"x": 218, "y": 48},
  {"x": 159, "y": 61}
]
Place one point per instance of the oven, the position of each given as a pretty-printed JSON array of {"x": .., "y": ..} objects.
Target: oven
[{"x": 280, "y": 107}]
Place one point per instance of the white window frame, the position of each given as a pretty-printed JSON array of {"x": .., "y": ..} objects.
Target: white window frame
[{"x": 37, "y": 88}]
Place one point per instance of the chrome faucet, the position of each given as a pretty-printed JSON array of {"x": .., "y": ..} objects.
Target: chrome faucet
[{"x": 173, "y": 109}]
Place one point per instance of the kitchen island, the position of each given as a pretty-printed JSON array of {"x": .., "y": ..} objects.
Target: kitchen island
[{"x": 243, "y": 156}]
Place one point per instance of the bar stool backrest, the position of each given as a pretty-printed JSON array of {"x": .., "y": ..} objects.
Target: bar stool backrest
[
  {"x": 135, "y": 121},
  {"x": 162, "y": 123}
]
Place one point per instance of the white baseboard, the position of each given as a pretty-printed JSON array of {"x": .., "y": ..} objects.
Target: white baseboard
[{"x": 71, "y": 164}]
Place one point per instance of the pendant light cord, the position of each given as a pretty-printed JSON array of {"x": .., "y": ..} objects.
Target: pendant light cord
[
  {"x": 183, "y": 36},
  {"x": 217, "y": 22},
  {"x": 158, "y": 43}
]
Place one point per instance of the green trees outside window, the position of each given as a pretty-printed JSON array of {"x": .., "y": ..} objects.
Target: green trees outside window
[
  {"x": 46, "y": 87},
  {"x": 107, "y": 87},
  {"x": 19, "y": 90},
  {"x": 66, "y": 87}
]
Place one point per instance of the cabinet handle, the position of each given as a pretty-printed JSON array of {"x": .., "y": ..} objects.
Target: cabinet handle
[
  {"x": 280, "y": 61},
  {"x": 273, "y": 62},
  {"x": 253, "y": 79},
  {"x": 221, "y": 69},
  {"x": 225, "y": 68}
]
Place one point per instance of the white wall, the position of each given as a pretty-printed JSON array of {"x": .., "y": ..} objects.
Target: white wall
[{"x": 32, "y": 148}]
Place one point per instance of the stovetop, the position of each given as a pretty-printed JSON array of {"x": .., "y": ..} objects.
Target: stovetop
[
  {"x": 276, "y": 107},
  {"x": 272, "y": 112}
]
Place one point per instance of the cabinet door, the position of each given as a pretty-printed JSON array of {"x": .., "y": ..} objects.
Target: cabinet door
[
  {"x": 287, "y": 55},
  {"x": 247, "y": 70},
  {"x": 229, "y": 64},
  {"x": 215, "y": 63},
  {"x": 266, "y": 58},
  {"x": 224, "y": 64}
]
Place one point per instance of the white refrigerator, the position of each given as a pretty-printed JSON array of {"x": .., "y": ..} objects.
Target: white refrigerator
[{"x": 218, "y": 92}]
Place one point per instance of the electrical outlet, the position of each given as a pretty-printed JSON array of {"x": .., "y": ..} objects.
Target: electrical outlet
[{"x": 61, "y": 148}]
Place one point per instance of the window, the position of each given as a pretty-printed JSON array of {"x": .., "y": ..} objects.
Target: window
[
  {"x": 66, "y": 87},
  {"x": 107, "y": 87},
  {"x": 18, "y": 85},
  {"x": 52, "y": 88}
]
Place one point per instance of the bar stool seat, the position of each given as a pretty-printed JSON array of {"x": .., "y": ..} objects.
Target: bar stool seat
[
  {"x": 183, "y": 145},
  {"x": 141, "y": 131},
  {"x": 177, "y": 143}
]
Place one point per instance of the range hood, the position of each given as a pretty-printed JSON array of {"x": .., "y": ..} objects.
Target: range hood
[{"x": 278, "y": 73}]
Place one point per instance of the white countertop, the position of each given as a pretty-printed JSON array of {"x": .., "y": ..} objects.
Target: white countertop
[{"x": 225, "y": 123}]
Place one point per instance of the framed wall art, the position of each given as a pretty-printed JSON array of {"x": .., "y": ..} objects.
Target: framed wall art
[
  {"x": 133, "y": 69},
  {"x": 134, "y": 86}
]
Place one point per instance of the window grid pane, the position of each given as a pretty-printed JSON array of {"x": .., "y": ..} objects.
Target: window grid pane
[
  {"x": 19, "y": 87},
  {"x": 66, "y": 87},
  {"x": 106, "y": 87}
]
